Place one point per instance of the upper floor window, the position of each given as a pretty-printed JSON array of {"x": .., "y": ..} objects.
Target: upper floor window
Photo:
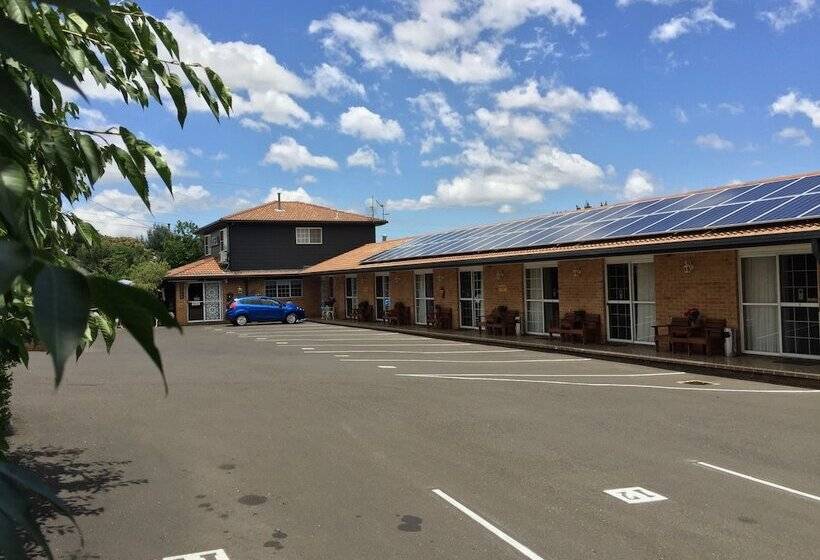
[
  {"x": 308, "y": 236},
  {"x": 223, "y": 239},
  {"x": 206, "y": 242}
]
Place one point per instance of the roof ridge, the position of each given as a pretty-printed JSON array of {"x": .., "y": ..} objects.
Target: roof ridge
[{"x": 312, "y": 204}]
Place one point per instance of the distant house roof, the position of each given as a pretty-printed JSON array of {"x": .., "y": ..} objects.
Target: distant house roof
[{"x": 290, "y": 212}]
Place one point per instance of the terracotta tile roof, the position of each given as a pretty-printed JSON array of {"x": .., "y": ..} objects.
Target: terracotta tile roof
[
  {"x": 351, "y": 261},
  {"x": 204, "y": 267},
  {"x": 296, "y": 212}
]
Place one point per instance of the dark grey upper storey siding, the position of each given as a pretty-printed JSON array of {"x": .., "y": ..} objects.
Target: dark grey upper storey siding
[{"x": 255, "y": 246}]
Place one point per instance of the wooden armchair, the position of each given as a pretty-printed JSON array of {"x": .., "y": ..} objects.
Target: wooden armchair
[
  {"x": 708, "y": 335},
  {"x": 675, "y": 333},
  {"x": 364, "y": 311},
  {"x": 500, "y": 322},
  {"x": 398, "y": 315},
  {"x": 442, "y": 318}
]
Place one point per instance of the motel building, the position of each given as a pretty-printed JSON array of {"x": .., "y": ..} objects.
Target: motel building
[{"x": 744, "y": 257}]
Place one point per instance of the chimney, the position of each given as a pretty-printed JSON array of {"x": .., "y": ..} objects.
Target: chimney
[
  {"x": 384, "y": 238},
  {"x": 279, "y": 200}
]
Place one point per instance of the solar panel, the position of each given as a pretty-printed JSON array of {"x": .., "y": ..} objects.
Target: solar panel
[{"x": 731, "y": 206}]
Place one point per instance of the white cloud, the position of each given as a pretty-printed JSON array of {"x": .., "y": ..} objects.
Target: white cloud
[
  {"x": 499, "y": 177},
  {"x": 793, "y": 103},
  {"x": 196, "y": 151},
  {"x": 219, "y": 156},
  {"x": 713, "y": 141},
  {"x": 460, "y": 42},
  {"x": 625, "y": 3},
  {"x": 433, "y": 105},
  {"x": 254, "y": 124},
  {"x": 680, "y": 115},
  {"x": 505, "y": 209},
  {"x": 331, "y": 83},
  {"x": 639, "y": 184},
  {"x": 701, "y": 18},
  {"x": 564, "y": 102},
  {"x": 261, "y": 86},
  {"x": 364, "y": 123},
  {"x": 298, "y": 194},
  {"x": 504, "y": 124},
  {"x": 363, "y": 157},
  {"x": 307, "y": 179},
  {"x": 288, "y": 154},
  {"x": 796, "y": 136},
  {"x": 732, "y": 108},
  {"x": 789, "y": 13},
  {"x": 429, "y": 142}
]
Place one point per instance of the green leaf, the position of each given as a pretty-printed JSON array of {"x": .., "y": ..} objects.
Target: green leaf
[
  {"x": 222, "y": 91},
  {"x": 175, "y": 89},
  {"x": 11, "y": 545},
  {"x": 14, "y": 99},
  {"x": 132, "y": 143},
  {"x": 165, "y": 36},
  {"x": 150, "y": 79},
  {"x": 155, "y": 157},
  {"x": 86, "y": 231},
  {"x": 107, "y": 328},
  {"x": 83, "y": 6},
  {"x": 15, "y": 506},
  {"x": 17, "y": 42},
  {"x": 13, "y": 185},
  {"x": 93, "y": 161},
  {"x": 61, "y": 305},
  {"x": 136, "y": 309},
  {"x": 26, "y": 479},
  {"x": 14, "y": 259},
  {"x": 130, "y": 171}
]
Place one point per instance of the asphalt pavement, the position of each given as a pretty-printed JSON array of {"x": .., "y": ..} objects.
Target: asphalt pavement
[{"x": 314, "y": 441}]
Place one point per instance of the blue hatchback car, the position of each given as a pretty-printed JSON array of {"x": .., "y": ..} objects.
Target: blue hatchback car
[{"x": 244, "y": 310}]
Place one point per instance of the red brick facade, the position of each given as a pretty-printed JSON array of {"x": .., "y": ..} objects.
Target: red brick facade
[
  {"x": 445, "y": 290},
  {"x": 581, "y": 286},
  {"x": 401, "y": 289},
  {"x": 504, "y": 285}
]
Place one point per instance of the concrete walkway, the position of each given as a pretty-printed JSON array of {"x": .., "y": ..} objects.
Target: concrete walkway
[{"x": 776, "y": 369}]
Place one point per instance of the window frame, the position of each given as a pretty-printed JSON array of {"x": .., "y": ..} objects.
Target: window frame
[
  {"x": 285, "y": 286},
  {"x": 304, "y": 235},
  {"x": 544, "y": 301},
  {"x": 631, "y": 302}
]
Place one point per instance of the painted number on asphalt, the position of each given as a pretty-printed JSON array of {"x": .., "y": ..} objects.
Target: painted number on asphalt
[
  {"x": 635, "y": 495},
  {"x": 207, "y": 555}
]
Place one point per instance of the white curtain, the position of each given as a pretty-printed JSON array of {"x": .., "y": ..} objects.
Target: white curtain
[{"x": 761, "y": 321}]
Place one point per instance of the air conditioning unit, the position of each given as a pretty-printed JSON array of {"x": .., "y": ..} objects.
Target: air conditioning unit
[{"x": 223, "y": 256}]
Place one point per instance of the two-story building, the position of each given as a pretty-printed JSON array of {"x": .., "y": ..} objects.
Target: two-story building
[{"x": 264, "y": 250}]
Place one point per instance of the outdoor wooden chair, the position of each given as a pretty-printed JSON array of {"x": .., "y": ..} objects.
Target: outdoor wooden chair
[
  {"x": 442, "y": 318},
  {"x": 708, "y": 335},
  {"x": 398, "y": 315},
  {"x": 500, "y": 322}
]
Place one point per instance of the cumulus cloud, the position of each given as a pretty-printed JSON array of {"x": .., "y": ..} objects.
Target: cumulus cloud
[
  {"x": 504, "y": 124},
  {"x": 363, "y": 157},
  {"x": 298, "y": 194},
  {"x": 307, "y": 179},
  {"x": 497, "y": 177},
  {"x": 436, "y": 110},
  {"x": 254, "y": 124},
  {"x": 460, "y": 42},
  {"x": 701, "y": 18},
  {"x": 639, "y": 184},
  {"x": 793, "y": 103},
  {"x": 364, "y": 123},
  {"x": 713, "y": 141},
  {"x": 788, "y": 14},
  {"x": 795, "y": 136},
  {"x": 331, "y": 83},
  {"x": 564, "y": 102},
  {"x": 263, "y": 88},
  {"x": 288, "y": 154}
]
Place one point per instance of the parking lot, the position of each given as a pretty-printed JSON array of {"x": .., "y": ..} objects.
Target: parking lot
[{"x": 319, "y": 441}]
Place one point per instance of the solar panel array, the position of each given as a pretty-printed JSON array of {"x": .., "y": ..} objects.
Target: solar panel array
[{"x": 749, "y": 204}]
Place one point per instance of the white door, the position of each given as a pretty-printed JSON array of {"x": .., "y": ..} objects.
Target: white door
[
  {"x": 471, "y": 298},
  {"x": 424, "y": 296}
]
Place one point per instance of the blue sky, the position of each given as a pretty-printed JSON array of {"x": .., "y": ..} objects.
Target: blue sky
[{"x": 454, "y": 113}]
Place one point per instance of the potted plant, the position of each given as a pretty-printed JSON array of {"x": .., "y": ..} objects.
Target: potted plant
[{"x": 692, "y": 315}]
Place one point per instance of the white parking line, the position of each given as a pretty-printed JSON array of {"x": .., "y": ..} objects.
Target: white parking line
[
  {"x": 387, "y": 367},
  {"x": 526, "y": 551},
  {"x": 207, "y": 555},
  {"x": 468, "y": 375},
  {"x": 281, "y": 342},
  {"x": 307, "y": 348},
  {"x": 468, "y": 361},
  {"x": 627, "y": 385},
  {"x": 394, "y": 344},
  {"x": 316, "y": 336},
  {"x": 340, "y": 355},
  {"x": 759, "y": 481},
  {"x": 419, "y": 351}
]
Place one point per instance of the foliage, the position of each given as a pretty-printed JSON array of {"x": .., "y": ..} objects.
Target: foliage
[
  {"x": 176, "y": 247},
  {"x": 148, "y": 274},
  {"x": 112, "y": 257},
  {"x": 46, "y": 49}
]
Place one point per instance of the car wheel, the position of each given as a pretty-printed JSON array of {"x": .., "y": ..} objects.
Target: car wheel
[
  {"x": 241, "y": 321},
  {"x": 290, "y": 318}
]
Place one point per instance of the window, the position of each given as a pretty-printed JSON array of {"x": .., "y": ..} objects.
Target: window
[
  {"x": 424, "y": 296},
  {"x": 471, "y": 298},
  {"x": 223, "y": 239},
  {"x": 206, "y": 244},
  {"x": 351, "y": 296},
  {"x": 283, "y": 288},
  {"x": 541, "y": 295},
  {"x": 630, "y": 292},
  {"x": 382, "y": 295},
  {"x": 308, "y": 236}
]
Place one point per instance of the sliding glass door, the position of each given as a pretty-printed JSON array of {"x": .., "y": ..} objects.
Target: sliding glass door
[
  {"x": 351, "y": 296},
  {"x": 382, "y": 294},
  {"x": 780, "y": 304},
  {"x": 471, "y": 298},
  {"x": 424, "y": 296},
  {"x": 631, "y": 301},
  {"x": 541, "y": 298}
]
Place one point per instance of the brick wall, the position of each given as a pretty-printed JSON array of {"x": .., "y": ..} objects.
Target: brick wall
[
  {"x": 445, "y": 290},
  {"x": 401, "y": 289},
  {"x": 503, "y": 285},
  {"x": 339, "y": 295},
  {"x": 366, "y": 284},
  {"x": 311, "y": 300},
  {"x": 181, "y": 303},
  {"x": 711, "y": 285},
  {"x": 581, "y": 287}
]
